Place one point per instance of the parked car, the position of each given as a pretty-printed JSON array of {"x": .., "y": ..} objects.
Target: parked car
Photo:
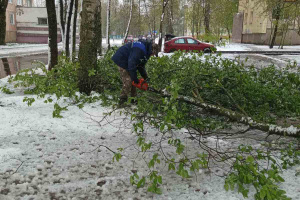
[
  {"x": 129, "y": 39},
  {"x": 187, "y": 44}
]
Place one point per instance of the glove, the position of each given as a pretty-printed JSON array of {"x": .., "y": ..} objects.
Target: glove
[{"x": 142, "y": 85}]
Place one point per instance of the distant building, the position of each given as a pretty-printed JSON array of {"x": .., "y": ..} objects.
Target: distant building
[
  {"x": 26, "y": 23},
  {"x": 252, "y": 25},
  {"x": 32, "y": 25}
]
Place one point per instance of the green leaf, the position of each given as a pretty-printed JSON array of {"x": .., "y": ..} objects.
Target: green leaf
[{"x": 141, "y": 183}]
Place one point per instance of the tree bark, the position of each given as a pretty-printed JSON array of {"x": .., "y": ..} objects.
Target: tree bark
[
  {"x": 52, "y": 30},
  {"x": 3, "y": 6},
  {"x": 207, "y": 16},
  {"x": 74, "y": 27},
  {"x": 165, "y": 3},
  {"x": 61, "y": 21},
  {"x": 68, "y": 27},
  {"x": 108, "y": 25},
  {"x": 99, "y": 29},
  {"x": 87, "y": 48},
  {"x": 129, "y": 21}
]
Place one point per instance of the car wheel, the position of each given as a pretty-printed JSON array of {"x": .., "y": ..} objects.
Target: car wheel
[
  {"x": 172, "y": 50},
  {"x": 207, "y": 50}
]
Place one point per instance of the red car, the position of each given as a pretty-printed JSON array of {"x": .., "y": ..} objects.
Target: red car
[{"x": 187, "y": 44}]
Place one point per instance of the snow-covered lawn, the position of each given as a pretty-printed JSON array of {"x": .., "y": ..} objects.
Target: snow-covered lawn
[
  {"x": 48, "y": 158},
  {"x": 253, "y": 47}
]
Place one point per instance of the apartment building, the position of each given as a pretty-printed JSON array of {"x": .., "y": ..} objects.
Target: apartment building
[
  {"x": 26, "y": 23},
  {"x": 252, "y": 24}
]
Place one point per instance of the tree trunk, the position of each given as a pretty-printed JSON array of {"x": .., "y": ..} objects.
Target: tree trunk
[
  {"x": 61, "y": 21},
  {"x": 3, "y": 5},
  {"x": 129, "y": 21},
  {"x": 228, "y": 31},
  {"x": 147, "y": 15},
  {"x": 170, "y": 18},
  {"x": 207, "y": 16},
  {"x": 87, "y": 48},
  {"x": 108, "y": 25},
  {"x": 165, "y": 3},
  {"x": 277, "y": 18},
  {"x": 99, "y": 29},
  {"x": 73, "y": 33},
  {"x": 52, "y": 30},
  {"x": 68, "y": 27}
]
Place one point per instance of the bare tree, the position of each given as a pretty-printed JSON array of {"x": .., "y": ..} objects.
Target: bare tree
[
  {"x": 61, "y": 20},
  {"x": 165, "y": 3},
  {"x": 207, "y": 16},
  {"x": 108, "y": 24},
  {"x": 99, "y": 28},
  {"x": 74, "y": 26},
  {"x": 147, "y": 16},
  {"x": 68, "y": 26},
  {"x": 170, "y": 18},
  {"x": 129, "y": 21},
  {"x": 3, "y": 5},
  {"x": 52, "y": 29}
]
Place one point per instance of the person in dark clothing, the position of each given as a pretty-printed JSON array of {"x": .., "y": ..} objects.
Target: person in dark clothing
[{"x": 131, "y": 58}]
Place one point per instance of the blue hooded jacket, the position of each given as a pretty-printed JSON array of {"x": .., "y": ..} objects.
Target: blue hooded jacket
[{"x": 133, "y": 57}]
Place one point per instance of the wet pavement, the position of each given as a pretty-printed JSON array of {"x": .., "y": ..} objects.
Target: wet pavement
[{"x": 11, "y": 65}]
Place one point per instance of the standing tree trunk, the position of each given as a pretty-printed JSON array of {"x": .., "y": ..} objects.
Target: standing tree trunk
[
  {"x": 129, "y": 21},
  {"x": 108, "y": 25},
  {"x": 87, "y": 48},
  {"x": 68, "y": 27},
  {"x": 165, "y": 3},
  {"x": 147, "y": 15},
  {"x": 277, "y": 18},
  {"x": 99, "y": 29},
  {"x": 3, "y": 5},
  {"x": 52, "y": 30},
  {"x": 170, "y": 18},
  {"x": 74, "y": 27},
  {"x": 207, "y": 16},
  {"x": 61, "y": 21}
]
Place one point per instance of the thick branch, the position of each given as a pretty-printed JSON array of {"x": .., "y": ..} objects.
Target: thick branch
[{"x": 238, "y": 117}]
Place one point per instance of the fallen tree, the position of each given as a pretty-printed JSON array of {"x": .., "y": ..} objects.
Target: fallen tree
[
  {"x": 194, "y": 109},
  {"x": 237, "y": 117}
]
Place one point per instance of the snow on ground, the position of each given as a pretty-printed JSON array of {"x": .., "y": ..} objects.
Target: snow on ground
[
  {"x": 253, "y": 47},
  {"x": 48, "y": 158},
  {"x": 14, "y": 49},
  {"x": 233, "y": 47}
]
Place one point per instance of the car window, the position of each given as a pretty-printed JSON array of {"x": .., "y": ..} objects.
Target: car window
[
  {"x": 191, "y": 41},
  {"x": 180, "y": 41}
]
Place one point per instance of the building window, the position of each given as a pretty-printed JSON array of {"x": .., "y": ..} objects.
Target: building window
[
  {"x": 12, "y": 18},
  {"x": 10, "y": 1},
  {"x": 42, "y": 21},
  {"x": 29, "y": 4},
  {"x": 19, "y": 2}
]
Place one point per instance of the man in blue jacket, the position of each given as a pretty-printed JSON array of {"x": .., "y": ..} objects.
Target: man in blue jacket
[{"x": 130, "y": 58}]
